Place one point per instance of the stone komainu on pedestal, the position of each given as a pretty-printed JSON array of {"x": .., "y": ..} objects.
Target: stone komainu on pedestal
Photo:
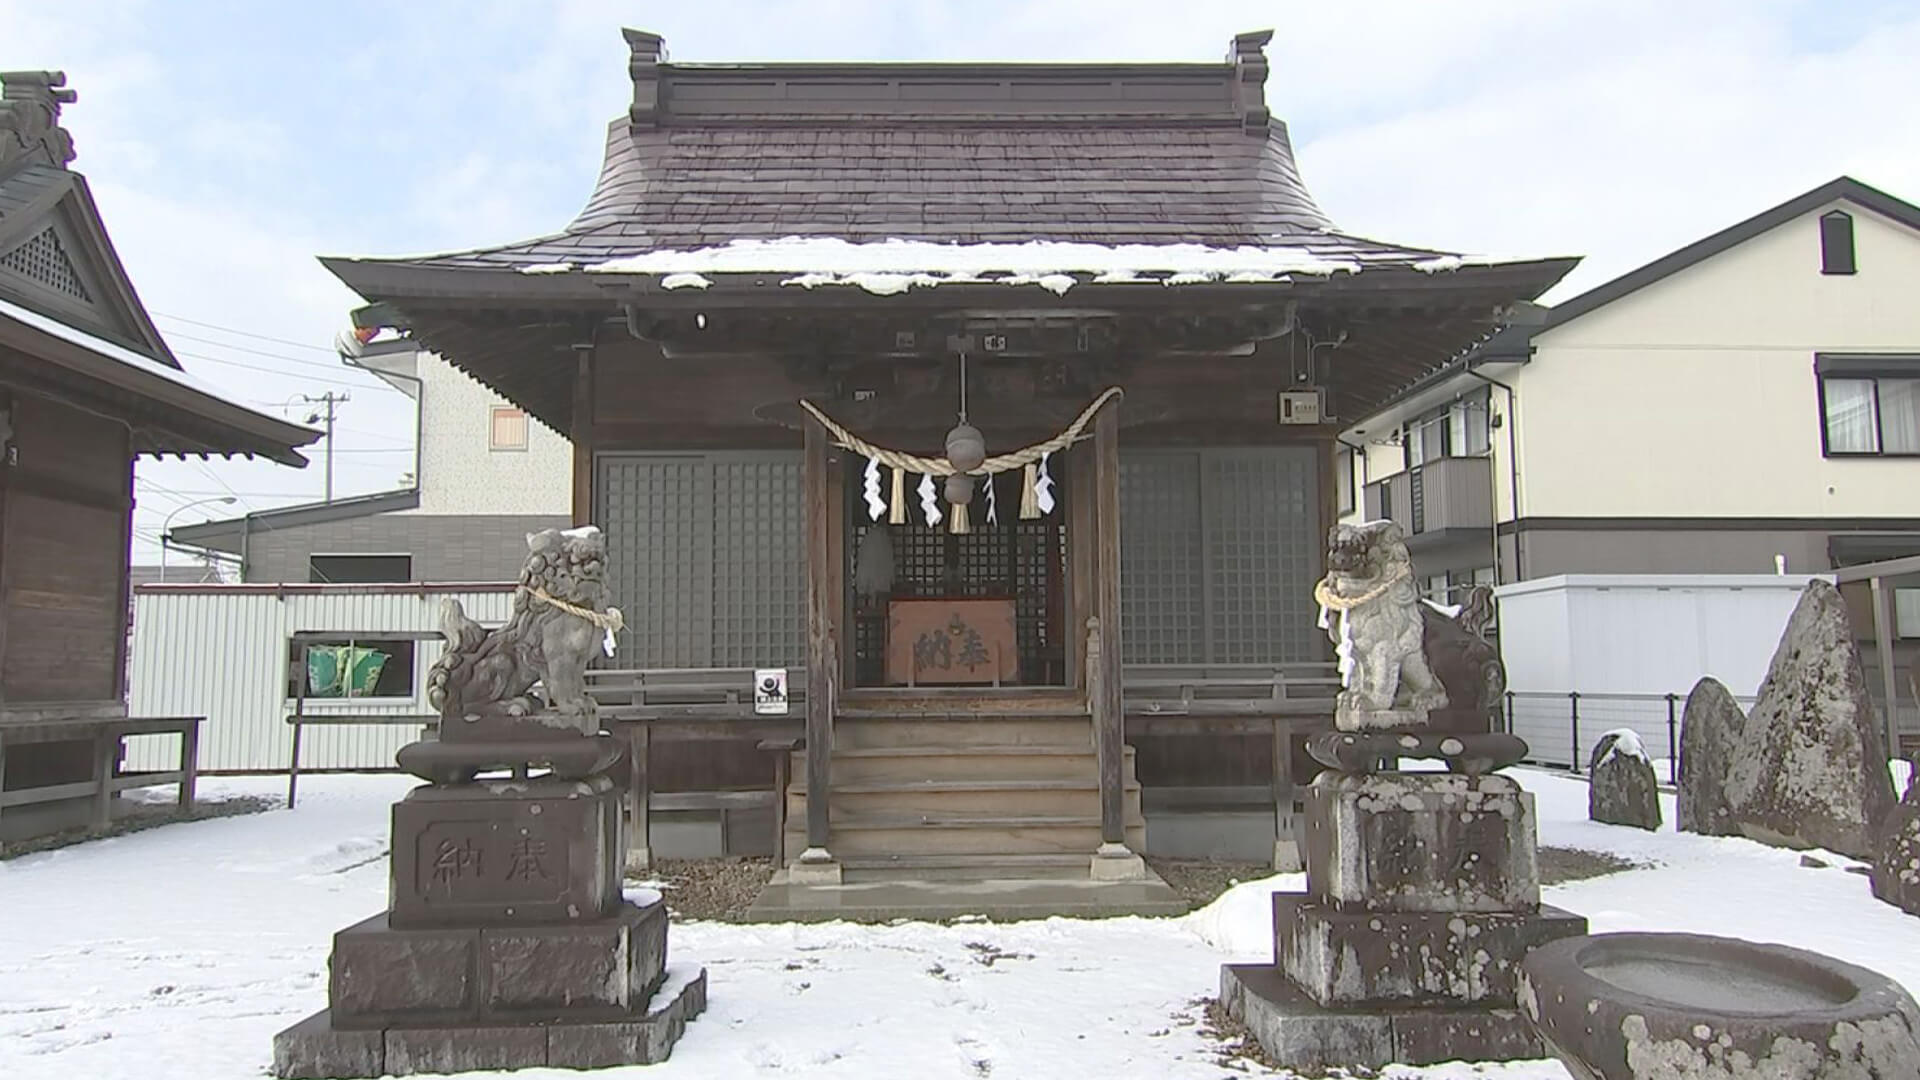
[
  {"x": 508, "y": 942},
  {"x": 1423, "y": 892}
]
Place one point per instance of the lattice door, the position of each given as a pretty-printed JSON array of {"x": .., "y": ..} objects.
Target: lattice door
[{"x": 705, "y": 557}]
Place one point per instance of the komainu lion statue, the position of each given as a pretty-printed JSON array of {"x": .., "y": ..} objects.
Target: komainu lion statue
[
  {"x": 1380, "y": 631},
  {"x": 560, "y": 619}
]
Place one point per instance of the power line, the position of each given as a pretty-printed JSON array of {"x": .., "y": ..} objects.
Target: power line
[
  {"x": 242, "y": 333},
  {"x": 260, "y": 352},
  {"x": 278, "y": 371}
]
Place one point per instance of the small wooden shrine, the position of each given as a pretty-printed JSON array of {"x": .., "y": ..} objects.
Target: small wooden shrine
[{"x": 966, "y": 388}]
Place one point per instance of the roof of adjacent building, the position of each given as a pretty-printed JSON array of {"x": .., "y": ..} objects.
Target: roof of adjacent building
[
  {"x": 69, "y": 316},
  {"x": 1514, "y": 343},
  {"x": 1842, "y": 189}
]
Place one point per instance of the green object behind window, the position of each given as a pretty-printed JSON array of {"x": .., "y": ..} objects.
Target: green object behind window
[{"x": 343, "y": 670}]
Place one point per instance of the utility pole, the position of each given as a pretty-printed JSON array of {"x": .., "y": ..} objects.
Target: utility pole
[{"x": 331, "y": 400}]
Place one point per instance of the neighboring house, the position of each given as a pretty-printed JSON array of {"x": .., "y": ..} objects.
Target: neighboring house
[
  {"x": 485, "y": 476},
  {"x": 1750, "y": 396},
  {"x": 86, "y": 387},
  {"x": 1749, "y": 404}
]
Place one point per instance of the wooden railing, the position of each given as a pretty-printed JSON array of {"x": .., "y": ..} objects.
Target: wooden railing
[
  {"x": 692, "y": 704},
  {"x": 1237, "y": 699}
]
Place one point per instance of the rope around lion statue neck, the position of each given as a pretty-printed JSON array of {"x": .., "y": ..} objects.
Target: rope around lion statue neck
[
  {"x": 1323, "y": 591},
  {"x": 610, "y": 620}
]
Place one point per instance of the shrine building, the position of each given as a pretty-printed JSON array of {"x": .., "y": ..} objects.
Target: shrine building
[{"x": 1098, "y": 295}]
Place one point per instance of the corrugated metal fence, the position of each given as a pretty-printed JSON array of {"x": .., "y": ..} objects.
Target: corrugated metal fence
[{"x": 222, "y": 652}]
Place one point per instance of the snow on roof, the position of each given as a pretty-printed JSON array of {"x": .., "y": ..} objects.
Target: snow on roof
[{"x": 892, "y": 266}]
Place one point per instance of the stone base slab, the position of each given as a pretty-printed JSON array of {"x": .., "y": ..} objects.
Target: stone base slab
[
  {"x": 315, "y": 1049},
  {"x": 382, "y": 976},
  {"x": 1341, "y": 958},
  {"x": 1303, "y": 1035}
]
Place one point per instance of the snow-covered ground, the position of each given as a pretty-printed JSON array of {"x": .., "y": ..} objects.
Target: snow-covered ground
[{"x": 178, "y": 952}]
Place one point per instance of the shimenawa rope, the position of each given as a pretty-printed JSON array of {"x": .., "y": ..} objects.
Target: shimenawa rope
[
  {"x": 1323, "y": 591},
  {"x": 940, "y": 466},
  {"x": 611, "y": 619}
]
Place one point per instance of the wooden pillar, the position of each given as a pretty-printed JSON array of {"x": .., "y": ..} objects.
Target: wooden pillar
[
  {"x": 582, "y": 437},
  {"x": 639, "y": 855},
  {"x": 1083, "y": 552},
  {"x": 1883, "y": 633},
  {"x": 1113, "y": 861},
  {"x": 106, "y": 755},
  {"x": 189, "y": 763},
  {"x": 816, "y": 866},
  {"x": 1286, "y": 850}
]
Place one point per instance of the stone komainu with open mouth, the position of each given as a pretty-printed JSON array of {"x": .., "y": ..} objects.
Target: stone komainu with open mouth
[{"x": 1418, "y": 683}]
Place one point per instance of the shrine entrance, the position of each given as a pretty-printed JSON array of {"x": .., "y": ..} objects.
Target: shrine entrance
[{"x": 934, "y": 607}]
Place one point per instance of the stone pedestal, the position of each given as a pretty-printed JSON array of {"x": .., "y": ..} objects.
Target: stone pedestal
[
  {"x": 507, "y": 945},
  {"x": 1422, "y": 898}
]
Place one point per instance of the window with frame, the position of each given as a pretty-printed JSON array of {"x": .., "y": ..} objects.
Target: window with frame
[
  {"x": 508, "y": 430},
  {"x": 1344, "y": 466},
  {"x": 1458, "y": 430},
  {"x": 1869, "y": 405},
  {"x": 366, "y": 669},
  {"x": 1836, "y": 242},
  {"x": 359, "y": 569}
]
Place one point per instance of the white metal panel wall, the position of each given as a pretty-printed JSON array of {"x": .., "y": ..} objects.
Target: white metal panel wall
[
  {"x": 1534, "y": 638},
  {"x": 1643, "y": 634},
  {"x": 1624, "y": 641},
  {"x": 223, "y": 655}
]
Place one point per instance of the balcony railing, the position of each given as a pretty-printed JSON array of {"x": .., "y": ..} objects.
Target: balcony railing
[{"x": 1445, "y": 493}]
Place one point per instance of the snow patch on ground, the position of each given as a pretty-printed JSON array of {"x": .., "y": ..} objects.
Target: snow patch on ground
[{"x": 176, "y": 953}]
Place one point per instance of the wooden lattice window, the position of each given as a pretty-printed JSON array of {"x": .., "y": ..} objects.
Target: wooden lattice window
[{"x": 44, "y": 259}]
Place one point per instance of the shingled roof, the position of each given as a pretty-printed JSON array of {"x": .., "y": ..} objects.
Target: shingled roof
[{"x": 954, "y": 154}]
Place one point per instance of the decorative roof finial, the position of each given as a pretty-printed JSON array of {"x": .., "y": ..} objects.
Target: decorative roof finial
[
  {"x": 1249, "y": 60},
  {"x": 649, "y": 52},
  {"x": 30, "y": 117}
]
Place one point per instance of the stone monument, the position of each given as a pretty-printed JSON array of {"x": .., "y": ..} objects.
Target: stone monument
[
  {"x": 1422, "y": 891},
  {"x": 1622, "y": 788},
  {"x": 507, "y": 942},
  {"x": 1808, "y": 766}
]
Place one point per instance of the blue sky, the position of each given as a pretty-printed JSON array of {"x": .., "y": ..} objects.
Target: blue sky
[{"x": 229, "y": 143}]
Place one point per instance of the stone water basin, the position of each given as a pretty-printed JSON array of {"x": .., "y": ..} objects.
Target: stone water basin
[{"x": 1644, "y": 1006}]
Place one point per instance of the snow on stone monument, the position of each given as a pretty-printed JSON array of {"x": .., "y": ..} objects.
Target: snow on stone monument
[
  {"x": 1807, "y": 768},
  {"x": 1622, "y": 787}
]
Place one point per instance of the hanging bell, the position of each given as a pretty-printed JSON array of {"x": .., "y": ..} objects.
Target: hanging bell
[
  {"x": 959, "y": 489},
  {"x": 966, "y": 448}
]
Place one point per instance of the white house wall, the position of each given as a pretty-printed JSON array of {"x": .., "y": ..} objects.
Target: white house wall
[
  {"x": 461, "y": 474},
  {"x": 221, "y": 653},
  {"x": 1643, "y": 406}
]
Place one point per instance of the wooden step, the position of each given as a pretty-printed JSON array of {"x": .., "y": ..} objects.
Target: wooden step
[
  {"x": 900, "y": 702},
  {"x": 966, "y": 834},
  {"x": 931, "y": 762},
  {"x": 859, "y": 732},
  {"x": 1040, "y": 797},
  {"x": 861, "y": 869}
]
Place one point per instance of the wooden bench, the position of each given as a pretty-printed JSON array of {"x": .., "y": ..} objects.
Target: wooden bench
[
  {"x": 695, "y": 704},
  {"x": 52, "y": 723}
]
